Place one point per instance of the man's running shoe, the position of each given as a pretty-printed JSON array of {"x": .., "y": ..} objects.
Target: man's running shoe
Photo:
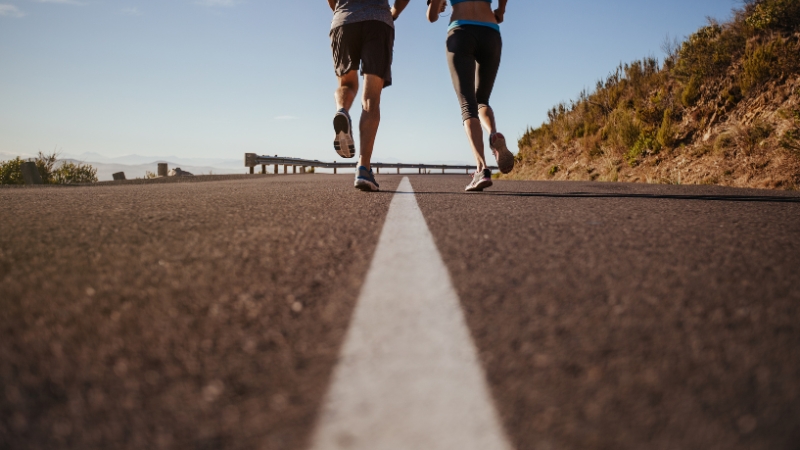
[
  {"x": 480, "y": 181},
  {"x": 365, "y": 180},
  {"x": 504, "y": 158},
  {"x": 343, "y": 142}
]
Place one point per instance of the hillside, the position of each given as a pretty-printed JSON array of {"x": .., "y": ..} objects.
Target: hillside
[{"x": 722, "y": 108}]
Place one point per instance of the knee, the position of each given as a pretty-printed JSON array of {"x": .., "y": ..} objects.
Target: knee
[
  {"x": 469, "y": 111},
  {"x": 372, "y": 108},
  {"x": 371, "y": 103}
]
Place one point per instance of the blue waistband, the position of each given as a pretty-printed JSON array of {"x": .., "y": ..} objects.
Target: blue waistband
[{"x": 458, "y": 23}]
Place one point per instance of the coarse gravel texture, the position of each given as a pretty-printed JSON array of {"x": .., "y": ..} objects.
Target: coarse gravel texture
[
  {"x": 616, "y": 322},
  {"x": 210, "y": 315},
  {"x": 177, "y": 315}
]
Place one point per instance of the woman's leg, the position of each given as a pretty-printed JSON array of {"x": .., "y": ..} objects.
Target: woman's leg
[
  {"x": 487, "y": 119},
  {"x": 475, "y": 137},
  {"x": 487, "y": 57},
  {"x": 461, "y": 46}
]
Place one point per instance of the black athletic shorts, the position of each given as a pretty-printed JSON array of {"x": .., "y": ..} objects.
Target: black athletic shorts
[{"x": 368, "y": 44}]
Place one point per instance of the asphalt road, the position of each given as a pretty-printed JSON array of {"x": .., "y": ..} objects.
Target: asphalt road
[{"x": 210, "y": 315}]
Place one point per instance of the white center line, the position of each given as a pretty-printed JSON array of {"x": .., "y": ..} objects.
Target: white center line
[{"x": 408, "y": 375}]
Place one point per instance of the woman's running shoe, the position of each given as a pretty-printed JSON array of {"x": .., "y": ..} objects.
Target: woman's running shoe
[
  {"x": 343, "y": 142},
  {"x": 365, "y": 180},
  {"x": 480, "y": 181},
  {"x": 504, "y": 158}
]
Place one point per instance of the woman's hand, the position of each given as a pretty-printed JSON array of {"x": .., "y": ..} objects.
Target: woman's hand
[{"x": 435, "y": 7}]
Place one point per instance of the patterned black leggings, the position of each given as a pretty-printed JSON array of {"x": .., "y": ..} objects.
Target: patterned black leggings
[{"x": 471, "y": 47}]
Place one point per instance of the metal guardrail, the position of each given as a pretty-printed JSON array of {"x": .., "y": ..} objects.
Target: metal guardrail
[{"x": 252, "y": 160}]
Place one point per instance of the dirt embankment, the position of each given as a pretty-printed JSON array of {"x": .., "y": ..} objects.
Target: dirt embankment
[
  {"x": 723, "y": 107},
  {"x": 752, "y": 145}
]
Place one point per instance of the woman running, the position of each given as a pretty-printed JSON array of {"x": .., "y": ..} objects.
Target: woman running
[{"x": 474, "y": 46}]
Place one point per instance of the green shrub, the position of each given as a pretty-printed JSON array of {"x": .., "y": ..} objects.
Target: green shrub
[
  {"x": 45, "y": 164},
  {"x": 791, "y": 140},
  {"x": 645, "y": 144},
  {"x": 50, "y": 171},
  {"x": 71, "y": 173},
  {"x": 757, "y": 66},
  {"x": 781, "y": 15},
  {"x": 666, "y": 133},
  {"x": 11, "y": 171},
  {"x": 691, "y": 92},
  {"x": 623, "y": 129},
  {"x": 773, "y": 59},
  {"x": 709, "y": 51},
  {"x": 553, "y": 170}
]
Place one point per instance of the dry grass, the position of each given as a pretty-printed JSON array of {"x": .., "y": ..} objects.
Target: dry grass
[{"x": 721, "y": 109}]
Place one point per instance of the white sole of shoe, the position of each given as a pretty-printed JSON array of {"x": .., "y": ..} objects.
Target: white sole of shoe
[
  {"x": 366, "y": 186},
  {"x": 505, "y": 159},
  {"x": 479, "y": 187},
  {"x": 343, "y": 143}
]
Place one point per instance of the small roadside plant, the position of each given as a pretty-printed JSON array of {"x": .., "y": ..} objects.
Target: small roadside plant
[
  {"x": 11, "y": 171},
  {"x": 49, "y": 169}
]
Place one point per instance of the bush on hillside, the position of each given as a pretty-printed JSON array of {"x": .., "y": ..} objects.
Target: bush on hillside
[{"x": 780, "y": 15}]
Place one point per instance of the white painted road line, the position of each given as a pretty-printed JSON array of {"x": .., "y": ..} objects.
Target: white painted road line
[{"x": 408, "y": 376}]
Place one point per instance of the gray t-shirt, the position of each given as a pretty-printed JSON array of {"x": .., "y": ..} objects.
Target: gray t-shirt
[{"x": 352, "y": 11}]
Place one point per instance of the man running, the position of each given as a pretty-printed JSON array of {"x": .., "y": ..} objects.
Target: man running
[{"x": 362, "y": 34}]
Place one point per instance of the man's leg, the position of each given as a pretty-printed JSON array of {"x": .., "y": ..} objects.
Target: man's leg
[
  {"x": 370, "y": 117},
  {"x": 346, "y": 92}
]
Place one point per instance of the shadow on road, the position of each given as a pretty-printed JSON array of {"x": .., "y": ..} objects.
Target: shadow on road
[{"x": 719, "y": 198}]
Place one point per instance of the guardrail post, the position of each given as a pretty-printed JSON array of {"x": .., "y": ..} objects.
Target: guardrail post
[
  {"x": 334, "y": 167},
  {"x": 249, "y": 161},
  {"x": 303, "y": 169},
  {"x": 442, "y": 170},
  {"x": 294, "y": 169},
  {"x": 263, "y": 169},
  {"x": 30, "y": 174},
  {"x": 398, "y": 171},
  {"x": 276, "y": 170}
]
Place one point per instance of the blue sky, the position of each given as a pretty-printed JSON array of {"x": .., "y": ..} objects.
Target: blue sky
[{"x": 219, "y": 78}]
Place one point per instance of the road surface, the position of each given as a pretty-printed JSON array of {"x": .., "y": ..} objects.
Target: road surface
[{"x": 215, "y": 315}]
